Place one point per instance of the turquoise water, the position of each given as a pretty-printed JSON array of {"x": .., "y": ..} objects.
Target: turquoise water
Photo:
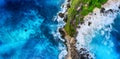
[
  {"x": 107, "y": 46},
  {"x": 27, "y": 27}
]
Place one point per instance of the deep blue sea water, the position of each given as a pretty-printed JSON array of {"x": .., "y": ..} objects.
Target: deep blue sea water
[{"x": 27, "y": 27}]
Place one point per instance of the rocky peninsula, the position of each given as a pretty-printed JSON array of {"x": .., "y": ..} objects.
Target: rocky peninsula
[{"x": 75, "y": 14}]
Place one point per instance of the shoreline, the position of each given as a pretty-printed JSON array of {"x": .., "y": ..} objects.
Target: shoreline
[
  {"x": 71, "y": 42},
  {"x": 72, "y": 53}
]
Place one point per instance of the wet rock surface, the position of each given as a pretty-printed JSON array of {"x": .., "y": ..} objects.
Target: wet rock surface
[
  {"x": 102, "y": 10},
  {"x": 61, "y": 15},
  {"x": 119, "y": 7},
  {"x": 84, "y": 54},
  {"x": 62, "y": 33},
  {"x": 89, "y": 23}
]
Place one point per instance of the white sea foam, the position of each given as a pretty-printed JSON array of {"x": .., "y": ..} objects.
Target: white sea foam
[
  {"x": 61, "y": 24},
  {"x": 98, "y": 21},
  {"x": 62, "y": 54}
]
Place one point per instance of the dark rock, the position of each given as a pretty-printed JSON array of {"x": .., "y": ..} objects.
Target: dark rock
[
  {"x": 84, "y": 54},
  {"x": 102, "y": 10},
  {"x": 78, "y": 27},
  {"x": 62, "y": 33},
  {"x": 81, "y": 22},
  {"x": 89, "y": 23},
  {"x": 95, "y": 13},
  {"x": 82, "y": 49},
  {"x": 65, "y": 19},
  {"x": 68, "y": 5},
  {"x": 119, "y": 7},
  {"x": 110, "y": 10},
  {"x": 61, "y": 15},
  {"x": 87, "y": 54},
  {"x": 68, "y": 0}
]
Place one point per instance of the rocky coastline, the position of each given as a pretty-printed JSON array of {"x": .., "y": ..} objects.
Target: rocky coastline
[
  {"x": 73, "y": 52},
  {"x": 69, "y": 41}
]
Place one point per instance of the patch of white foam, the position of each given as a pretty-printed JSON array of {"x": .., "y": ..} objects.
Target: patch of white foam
[
  {"x": 98, "y": 21},
  {"x": 63, "y": 10},
  {"x": 61, "y": 24},
  {"x": 62, "y": 54}
]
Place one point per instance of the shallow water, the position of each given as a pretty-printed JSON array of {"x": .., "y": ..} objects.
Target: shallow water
[
  {"x": 27, "y": 28},
  {"x": 106, "y": 42},
  {"x": 102, "y": 37}
]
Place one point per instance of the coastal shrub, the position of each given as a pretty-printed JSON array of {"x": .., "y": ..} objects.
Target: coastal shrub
[{"x": 87, "y": 7}]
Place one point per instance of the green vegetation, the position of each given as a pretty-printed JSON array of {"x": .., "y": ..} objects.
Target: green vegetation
[{"x": 75, "y": 16}]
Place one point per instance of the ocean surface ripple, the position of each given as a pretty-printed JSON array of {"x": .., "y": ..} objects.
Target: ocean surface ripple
[{"x": 27, "y": 28}]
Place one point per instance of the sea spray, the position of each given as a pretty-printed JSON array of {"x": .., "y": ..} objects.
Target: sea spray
[{"x": 61, "y": 25}]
